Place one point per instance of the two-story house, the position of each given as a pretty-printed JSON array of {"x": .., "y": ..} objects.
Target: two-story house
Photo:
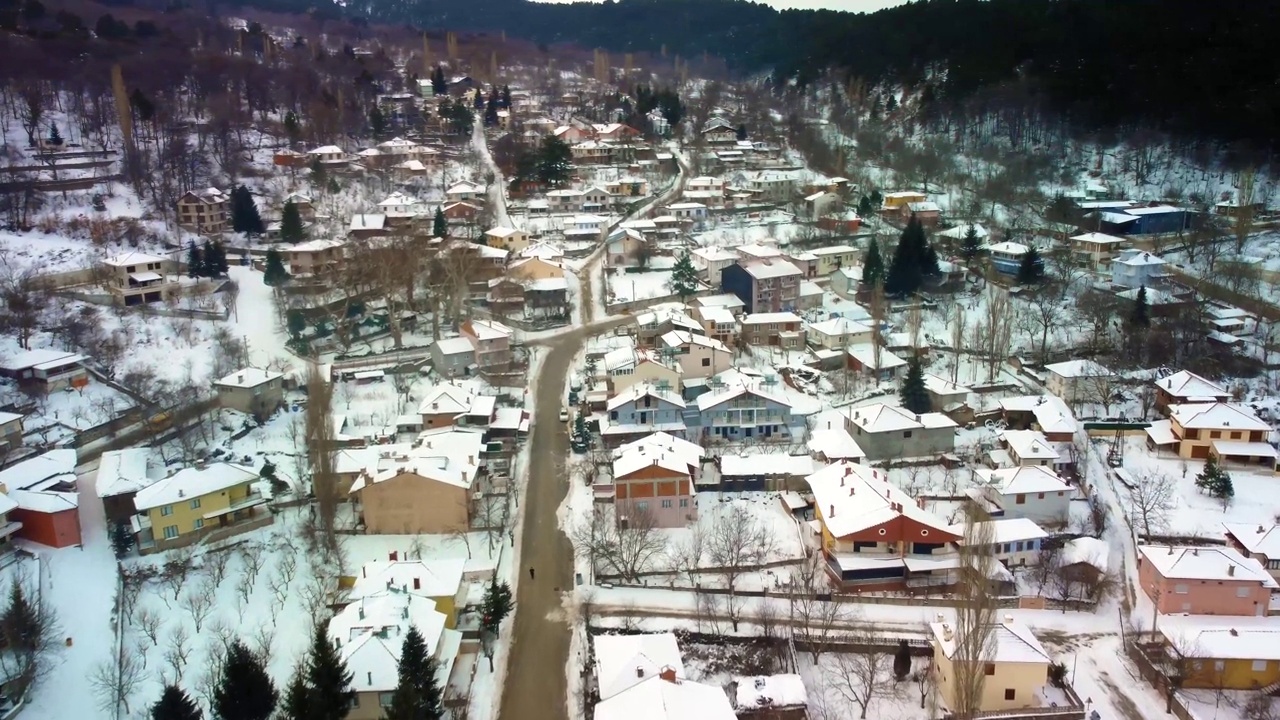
[
  {"x": 623, "y": 367},
  {"x": 1079, "y": 381},
  {"x": 876, "y": 363},
  {"x": 764, "y": 286},
  {"x": 204, "y": 211},
  {"x": 1259, "y": 542},
  {"x": 1047, "y": 414},
  {"x": 194, "y": 501},
  {"x": 654, "y": 486},
  {"x": 491, "y": 341},
  {"x": 1034, "y": 492},
  {"x": 437, "y": 579},
  {"x": 1228, "y": 432},
  {"x": 887, "y": 431},
  {"x": 640, "y": 410},
  {"x": 1228, "y": 653},
  {"x": 446, "y": 405},
  {"x": 711, "y": 261},
  {"x": 1025, "y": 448},
  {"x": 699, "y": 356},
  {"x": 838, "y": 333},
  {"x": 135, "y": 278},
  {"x": 39, "y": 501},
  {"x": 1204, "y": 581},
  {"x": 507, "y": 238},
  {"x": 253, "y": 391},
  {"x": 1015, "y": 666},
  {"x": 427, "y": 490},
  {"x": 1185, "y": 387},
  {"x": 718, "y": 323},
  {"x": 1137, "y": 269},
  {"x": 121, "y": 474},
  {"x": 1095, "y": 250},
  {"x": 465, "y": 191},
  {"x": 313, "y": 257},
  {"x": 870, "y": 527},
  {"x": 743, "y": 411},
  {"x": 780, "y": 329},
  {"x": 329, "y": 155}
]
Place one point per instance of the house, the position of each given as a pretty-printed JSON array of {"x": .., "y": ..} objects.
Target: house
[
  {"x": 437, "y": 579},
  {"x": 770, "y": 186},
  {"x": 350, "y": 462},
  {"x": 369, "y": 635},
  {"x": 1229, "y": 432},
  {"x": 1046, "y": 413},
  {"x": 465, "y": 191},
  {"x": 1035, "y": 493},
  {"x": 1080, "y": 381},
  {"x": 624, "y": 661},
  {"x": 642, "y": 409},
  {"x": 1138, "y": 269},
  {"x": 821, "y": 203},
  {"x": 328, "y": 155},
  {"x": 718, "y": 323},
  {"x": 759, "y": 251},
  {"x": 691, "y": 211},
  {"x": 834, "y": 257},
  {"x": 535, "y": 268},
  {"x": 1084, "y": 562},
  {"x": 204, "y": 211},
  {"x": 1015, "y": 664},
  {"x": 1204, "y": 581},
  {"x": 491, "y": 341},
  {"x": 1095, "y": 251},
  {"x": 625, "y": 246},
  {"x": 1014, "y": 541},
  {"x": 728, "y": 301},
  {"x": 957, "y": 234},
  {"x": 876, "y": 363},
  {"x": 365, "y": 226},
  {"x": 651, "y": 485},
  {"x": 135, "y": 278},
  {"x": 10, "y": 432},
  {"x": 313, "y": 257},
  {"x": 1222, "y": 653},
  {"x": 50, "y": 369},
  {"x": 289, "y": 158},
  {"x": 38, "y": 499},
  {"x": 451, "y": 357},
  {"x": 711, "y": 261},
  {"x": 927, "y": 212},
  {"x": 625, "y": 367},
  {"x": 1006, "y": 257},
  {"x": 196, "y": 501},
  {"x": 461, "y": 211},
  {"x": 764, "y": 472},
  {"x": 400, "y": 206},
  {"x": 781, "y": 329},
  {"x": 667, "y": 696},
  {"x": 447, "y": 405},
  {"x": 832, "y": 444},
  {"x": 1028, "y": 448},
  {"x": 897, "y": 200},
  {"x": 1154, "y": 220},
  {"x": 718, "y": 130},
  {"x": 1185, "y": 387},
  {"x": 507, "y": 238},
  {"x": 628, "y": 187},
  {"x": 425, "y": 491},
  {"x": 738, "y": 407},
  {"x": 1259, "y": 542},
  {"x": 887, "y": 431},
  {"x": 699, "y": 356},
  {"x": 846, "y": 281},
  {"x": 870, "y": 527},
  {"x": 771, "y": 697},
  {"x": 252, "y": 391}
]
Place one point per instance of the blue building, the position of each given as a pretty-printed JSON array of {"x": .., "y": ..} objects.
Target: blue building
[
  {"x": 1156, "y": 220},
  {"x": 642, "y": 409},
  {"x": 1006, "y": 257},
  {"x": 738, "y": 413},
  {"x": 769, "y": 285}
]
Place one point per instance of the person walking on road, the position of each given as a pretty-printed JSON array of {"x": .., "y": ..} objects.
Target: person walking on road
[{"x": 530, "y": 573}]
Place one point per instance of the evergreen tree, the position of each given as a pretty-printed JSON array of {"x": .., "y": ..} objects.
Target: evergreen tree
[
  {"x": 329, "y": 693},
  {"x": 1215, "y": 481},
  {"x": 506, "y": 97},
  {"x": 910, "y": 258},
  {"x": 902, "y": 661},
  {"x": 1141, "y": 316},
  {"x": 1031, "y": 270},
  {"x": 318, "y": 173},
  {"x": 292, "y": 127},
  {"x": 195, "y": 260},
  {"x": 913, "y": 394},
  {"x": 970, "y": 246},
  {"x": 55, "y": 138},
  {"x": 175, "y": 705},
  {"x": 377, "y": 121},
  {"x": 865, "y": 208},
  {"x": 440, "y": 225},
  {"x": 291, "y": 230},
  {"x": 479, "y": 100},
  {"x": 244, "y": 212},
  {"x": 417, "y": 695},
  {"x": 244, "y": 690},
  {"x": 214, "y": 263},
  {"x": 873, "y": 265},
  {"x": 497, "y": 605},
  {"x": 876, "y": 198},
  {"x": 438, "y": 84},
  {"x": 891, "y": 103},
  {"x": 491, "y": 112},
  {"x": 121, "y": 540},
  {"x": 741, "y": 132},
  {"x": 684, "y": 277},
  {"x": 555, "y": 162},
  {"x": 295, "y": 705},
  {"x": 273, "y": 273}
]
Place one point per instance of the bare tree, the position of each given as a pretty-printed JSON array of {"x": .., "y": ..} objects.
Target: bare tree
[
  {"x": 321, "y": 449},
  {"x": 974, "y": 637},
  {"x": 216, "y": 563},
  {"x": 1043, "y": 312},
  {"x": 1151, "y": 499},
  {"x": 177, "y": 651},
  {"x": 738, "y": 542},
  {"x": 116, "y": 679},
  {"x": 199, "y": 602},
  {"x": 815, "y": 614},
  {"x": 862, "y": 676},
  {"x": 491, "y": 518},
  {"x": 149, "y": 622},
  {"x": 686, "y": 555},
  {"x": 628, "y": 546}
]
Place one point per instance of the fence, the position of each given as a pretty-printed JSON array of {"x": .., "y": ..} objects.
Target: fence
[
  {"x": 877, "y": 598},
  {"x": 1149, "y": 672}
]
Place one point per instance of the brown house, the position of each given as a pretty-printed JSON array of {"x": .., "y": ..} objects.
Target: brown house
[
  {"x": 204, "y": 211},
  {"x": 1187, "y": 387},
  {"x": 121, "y": 474},
  {"x": 656, "y": 482},
  {"x": 426, "y": 491}
]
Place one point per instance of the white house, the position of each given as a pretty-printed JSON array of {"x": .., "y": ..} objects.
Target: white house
[
  {"x": 624, "y": 661},
  {"x": 1137, "y": 268},
  {"x": 1079, "y": 381},
  {"x": 1015, "y": 541},
  {"x": 1035, "y": 492}
]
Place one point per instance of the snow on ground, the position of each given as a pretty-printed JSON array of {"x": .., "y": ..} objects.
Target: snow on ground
[{"x": 628, "y": 286}]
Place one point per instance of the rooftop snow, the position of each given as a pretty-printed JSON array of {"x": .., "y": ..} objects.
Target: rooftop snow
[
  {"x": 191, "y": 483},
  {"x": 624, "y": 661},
  {"x": 249, "y": 378},
  {"x": 1204, "y": 563},
  {"x": 852, "y": 498}
]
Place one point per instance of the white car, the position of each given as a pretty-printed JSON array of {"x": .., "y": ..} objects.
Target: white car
[{"x": 564, "y": 415}]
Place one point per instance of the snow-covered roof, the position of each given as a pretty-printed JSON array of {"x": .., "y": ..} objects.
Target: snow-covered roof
[
  {"x": 1029, "y": 444},
  {"x": 454, "y": 346},
  {"x": 624, "y": 661},
  {"x": 542, "y": 249},
  {"x": 839, "y": 326},
  {"x": 1142, "y": 259},
  {"x": 942, "y": 386},
  {"x": 772, "y": 691},
  {"x": 1216, "y": 416},
  {"x": 660, "y": 698},
  {"x": 879, "y": 417},
  {"x": 958, "y": 232},
  {"x": 1087, "y": 550},
  {"x": 190, "y": 483},
  {"x": 762, "y": 464},
  {"x": 369, "y": 634},
  {"x": 133, "y": 258},
  {"x": 250, "y": 377},
  {"x": 433, "y": 578},
  {"x": 677, "y": 338},
  {"x": 1187, "y": 385},
  {"x": 1011, "y": 642},
  {"x": 40, "y": 356},
  {"x": 637, "y": 459},
  {"x": 1099, "y": 238},
  {"x": 1020, "y": 480},
  {"x": 464, "y": 188},
  {"x": 741, "y": 386},
  {"x": 759, "y": 251},
  {"x": 366, "y": 221},
  {"x": 923, "y": 206},
  {"x": 1153, "y": 210},
  {"x": 325, "y": 150},
  {"x": 714, "y": 253},
  {"x": 1008, "y": 530},
  {"x": 834, "y": 444},
  {"x": 1204, "y": 563},
  {"x": 865, "y": 354},
  {"x": 726, "y": 300},
  {"x": 1079, "y": 369},
  {"x": 852, "y": 498},
  {"x": 636, "y": 391},
  {"x": 446, "y": 455},
  {"x": 1008, "y": 248},
  {"x": 772, "y": 317},
  {"x": 447, "y": 398},
  {"x": 122, "y": 471},
  {"x": 1256, "y": 539},
  {"x": 771, "y": 268},
  {"x": 715, "y": 314},
  {"x": 487, "y": 329}
]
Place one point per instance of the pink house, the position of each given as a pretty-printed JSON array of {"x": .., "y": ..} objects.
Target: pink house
[
  {"x": 491, "y": 341},
  {"x": 1204, "y": 580}
]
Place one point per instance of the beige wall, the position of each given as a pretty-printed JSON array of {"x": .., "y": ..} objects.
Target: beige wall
[
  {"x": 646, "y": 372},
  {"x": 537, "y": 269},
  {"x": 1022, "y": 678},
  {"x": 264, "y": 398},
  {"x": 703, "y": 362},
  {"x": 409, "y": 504}
]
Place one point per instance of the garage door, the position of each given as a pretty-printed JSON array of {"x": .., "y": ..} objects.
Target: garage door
[{"x": 1200, "y": 451}]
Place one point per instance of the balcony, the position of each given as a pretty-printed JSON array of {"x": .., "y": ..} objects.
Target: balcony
[{"x": 247, "y": 502}]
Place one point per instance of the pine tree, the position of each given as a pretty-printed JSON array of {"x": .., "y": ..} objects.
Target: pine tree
[
  {"x": 377, "y": 121},
  {"x": 295, "y": 705},
  {"x": 873, "y": 265},
  {"x": 273, "y": 273},
  {"x": 906, "y": 270},
  {"x": 207, "y": 260},
  {"x": 684, "y": 277},
  {"x": 291, "y": 230},
  {"x": 497, "y": 605},
  {"x": 865, "y": 208},
  {"x": 175, "y": 705},
  {"x": 244, "y": 212},
  {"x": 440, "y": 225},
  {"x": 55, "y": 138},
  {"x": 319, "y": 175},
  {"x": 491, "y": 112},
  {"x": 292, "y": 127},
  {"x": 741, "y": 132},
  {"x": 244, "y": 690},
  {"x": 121, "y": 540},
  {"x": 970, "y": 246},
  {"x": 506, "y": 97},
  {"x": 1141, "y": 316},
  {"x": 195, "y": 260},
  {"x": 329, "y": 693},
  {"x": 913, "y": 394},
  {"x": 417, "y": 695},
  {"x": 902, "y": 661},
  {"x": 438, "y": 85},
  {"x": 555, "y": 162},
  {"x": 1032, "y": 267},
  {"x": 1215, "y": 481}
]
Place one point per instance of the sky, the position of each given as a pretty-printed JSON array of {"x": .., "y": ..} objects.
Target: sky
[{"x": 847, "y": 5}]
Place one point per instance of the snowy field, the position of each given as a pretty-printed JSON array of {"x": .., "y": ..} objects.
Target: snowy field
[{"x": 653, "y": 283}]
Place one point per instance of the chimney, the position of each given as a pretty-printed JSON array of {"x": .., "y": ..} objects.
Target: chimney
[
  {"x": 1259, "y": 529},
  {"x": 240, "y": 378},
  {"x": 1008, "y": 618},
  {"x": 833, "y": 511},
  {"x": 435, "y": 406},
  {"x": 1195, "y": 552},
  {"x": 639, "y": 671},
  {"x": 668, "y": 673},
  {"x": 417, "y": 583},
  {"x": 394, "y": 555},
  {"x": 1234, "y": 633},
  {"x": 940, "y": 617},
  {"x": 369, "y": 677},
  {"x": 947, "y": 635},
  {"x": 360, "y": 612},
  {"x": 364, "y": 573},
  {"x": 1231, "y": 571},
  {"x": 850, "y": 491}
]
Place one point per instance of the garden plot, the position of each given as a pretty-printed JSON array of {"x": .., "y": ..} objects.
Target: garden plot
[{"x": 655, "y": 282}]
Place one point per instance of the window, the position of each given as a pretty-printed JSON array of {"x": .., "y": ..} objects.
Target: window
[
  {"x": 1219, "y": 665},
  {"x": 1021, "y": 499},
  {"x": 166, "y": 511},
  {"x": 684, "y": 502},
  {"x": 1181, "y": 589},
  {"x": 666, "y": 503},
  {"x": 199, "y": 523},
  {"x": 1040, "y": 496},
  {"x": 1017, "y": 547},
  {"x": 642, "y": 506},
  {"x": 1242, "y": 591},
  {"x": 1214, "y": 434},
  {"x": 906, "y": 434},
  {"x": 613, "y": 414},
  {"x": 170, "y": 532},
  {"x": 1235, "y": 436},
  {"x": 1009, "y": 693},
  {"x": 195, "y": 504},
  {"x": 859, "y": 546},
  {"x": 384, "y": 699},
  {"x": 1259, "y": 666},
  {"x": 706, "y": 362},
  {"x": 989, "y": 669}
]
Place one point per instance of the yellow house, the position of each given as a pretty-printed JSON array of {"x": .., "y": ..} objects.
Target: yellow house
[
  {"x": 1223, "y": 429},
  {"x": 535, "y": 268},
  {"x": 437, "y": 580},
  {"x": 899, "y": 200},
  {"x": 507, "y": 239},
  {"x": 183, "y": 507},
  {"x": 1015, "y": 666},
  {"x": 1241, "y": 653},
  {"x": 835, "y": 257}
]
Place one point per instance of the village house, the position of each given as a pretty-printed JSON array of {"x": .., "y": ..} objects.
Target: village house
[
  {"x": 642, "y": 409},
  {"x": 624, "y": 661},
  {"x": 302, "y": 203},
  {"x": 425, "y": 491},
  {"x": 313, "y": 257},
  {"x": 285, "y": 157},
  {"x": 871, "y": 529},
  {"x": 833, "y": 444},
  {"x": 400, "y": 207},
  {"x": 833, "y": 258},
  {"x": 624, "y": 367},
  {"x": 349, "y": 463},
  {"x": 744, "y": 410},
  {"x": 710, "y": 261},
  {"x": 252, "y": 391},
  {"x": 895, "y": 201},
  {"x": 764, "y": 286},
  {"x": 438, "y": 579},
  {"x": 1047, "y": 414},
  {"x": 626, "y": 247},
  {"x": 654, "y": 484},
  {"x": 121, "y": 474},
  {"x": 448, "y": 405},
  {"x": 452, "y": 357},
  {"x": 944, "y": 395},
  {"x": 10, "y": 432},
  {"x": 927, "y": 212},
  {"x": 876, "y": 363},
  {"x": 846, "y": 282},
  {"x": 1228, "y": 432},
  {"x": 770, "y": 186},
  {"x": 1015, "y": 664},
  {"x": 1185, "y": 387},
  {"x": 781, "y": 329},
  {"x": 205, "y": 211},
  {"x": 366, "y": 226},
  {"x": 690, "y": 211},
  {"x": 667, "y": 696},
  {"x": 491, "y": 341},
  {"x": 195, "y": 501},
  {"x": 1080, "y": 381},
  {"x": 1240, "y": 654},
  {"x": 1015, "y": 542},
  {"x": 764, "y": 472},
  {"x": 821, "y": 203},
  {"x": 1095, "y": 251},
  {"x": 1006, "y": 257},
  {"x": 699, "y": 356},
  {"x": 465, "y": 191},
  {"x": 49, "y": 369},
  {"x": 718, "y": 323},
  {"x": 506, "y": 238},
  {"x": 136, "y": 278},
  {"x": 1138, "y": 269},
  {"x": 535, "y": 268},
  {"x": 1204, "y": 581},
  {"x": 632, "y": 187},
  {"x": 1035, "y": 493},
  {"x": 1259, "y": 542},
  {"x": 717, "y": 130},
  {"x": 1024, "y": 448},
  {"x": 39, "y": 501},
  {"x": 461, "y": 212},
  {"x": 328, "y": 155},
  {"x": 887, "y": 431},
  {"x": 752, "y": 252}
]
